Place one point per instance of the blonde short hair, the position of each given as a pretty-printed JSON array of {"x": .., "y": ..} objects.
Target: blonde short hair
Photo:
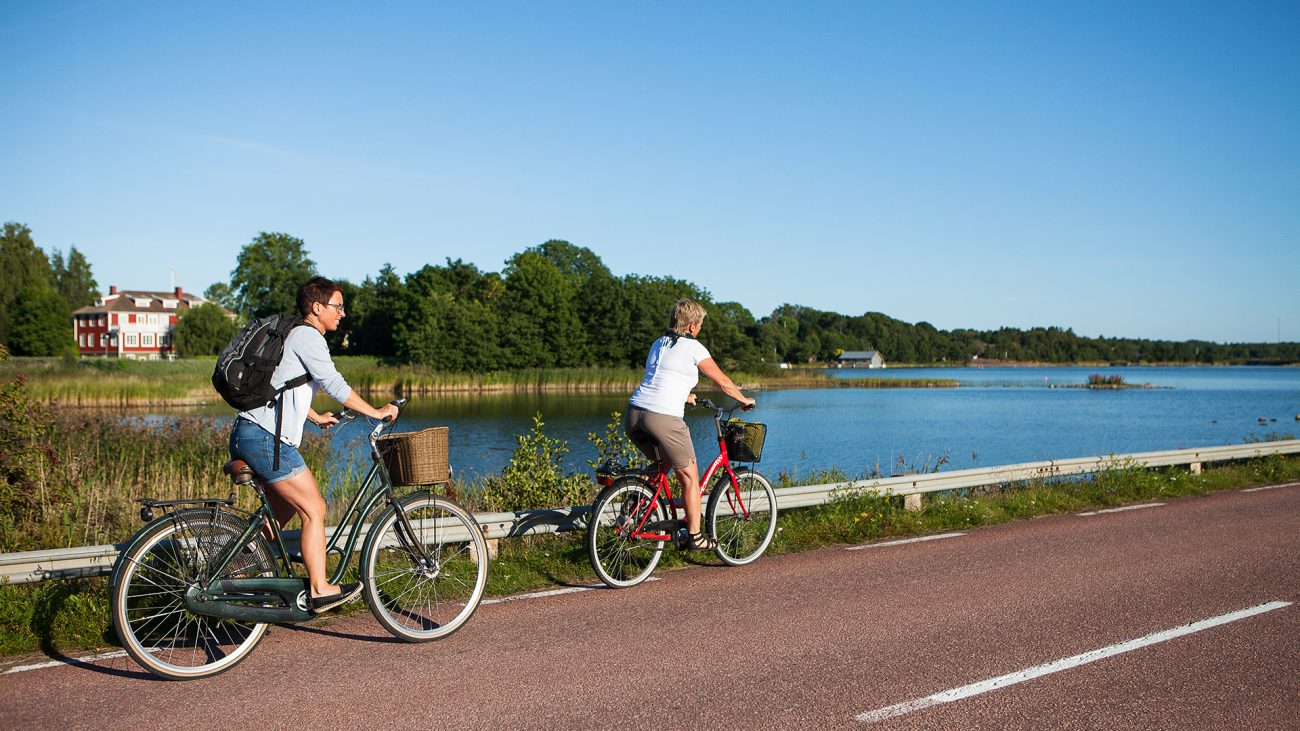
[{"x": 684, "y": 314}]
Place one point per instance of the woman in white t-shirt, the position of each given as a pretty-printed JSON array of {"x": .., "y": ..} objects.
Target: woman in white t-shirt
[{"x": 654, "y": 416}]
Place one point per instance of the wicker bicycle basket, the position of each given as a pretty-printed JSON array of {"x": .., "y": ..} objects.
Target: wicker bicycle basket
[
  {"x": 416, "y": 458},
  {"x": 745, "y": 440}
]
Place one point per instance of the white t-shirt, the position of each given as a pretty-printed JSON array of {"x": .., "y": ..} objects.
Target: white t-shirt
[{"x": 671, "y": 371}]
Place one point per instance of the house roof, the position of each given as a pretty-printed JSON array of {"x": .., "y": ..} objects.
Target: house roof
[
  {"x": 859, "y": 355},
  {"x": 134, "y": 300}
]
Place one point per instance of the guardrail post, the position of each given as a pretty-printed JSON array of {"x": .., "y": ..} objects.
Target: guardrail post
[
  {"x": 912, "y": 502},
  {"x": 1196, "y": 468}
]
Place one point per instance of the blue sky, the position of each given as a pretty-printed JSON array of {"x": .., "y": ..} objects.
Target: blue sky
[{"x": 1126, "y": 169}]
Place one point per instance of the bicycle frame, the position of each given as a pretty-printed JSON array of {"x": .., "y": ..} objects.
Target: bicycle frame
[
  {"x": 231, "y": 597},
  {"x": 664, "y": 491}
]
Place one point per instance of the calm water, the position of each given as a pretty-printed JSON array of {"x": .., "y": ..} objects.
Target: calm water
[{"x": 997, "y": 416}]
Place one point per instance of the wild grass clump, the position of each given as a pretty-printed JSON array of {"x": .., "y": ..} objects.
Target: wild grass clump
[
  {"x": 91, "y": 466},
  {"x": 1097, "y": 379},
  {"x": 55, "y": 617}
]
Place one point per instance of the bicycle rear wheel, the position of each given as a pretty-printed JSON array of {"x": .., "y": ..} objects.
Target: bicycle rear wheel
[
  {"x": 619, "y": 558},
  {"x": 154, "y": 573},
  {"x": 744, "y": 528},
  {"x": 425, "y": 584}
]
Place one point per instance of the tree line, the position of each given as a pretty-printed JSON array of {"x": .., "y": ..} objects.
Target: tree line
[{"x": 554, "y": 305}]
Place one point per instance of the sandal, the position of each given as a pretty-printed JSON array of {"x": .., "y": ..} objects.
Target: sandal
[{"x": 699, "y": 542}]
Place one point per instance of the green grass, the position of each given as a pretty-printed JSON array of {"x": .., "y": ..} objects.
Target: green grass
[{"x": 63, "y": 617}]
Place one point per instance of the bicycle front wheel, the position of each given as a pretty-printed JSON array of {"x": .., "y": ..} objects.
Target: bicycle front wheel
[
  {"x": 741, "y": 517},
  {"x": 424, "y": 576},
  {"x": 155, "y": 572},
  {"x": 620, "y": 558}
]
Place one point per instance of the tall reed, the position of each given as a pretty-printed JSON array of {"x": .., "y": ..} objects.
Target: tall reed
[{"x": 93, "y": 465}]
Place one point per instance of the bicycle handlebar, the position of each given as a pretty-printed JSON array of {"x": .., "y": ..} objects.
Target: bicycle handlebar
[
  {"x": 708, "y": 404},
  {"x": 347, "y": 416}
]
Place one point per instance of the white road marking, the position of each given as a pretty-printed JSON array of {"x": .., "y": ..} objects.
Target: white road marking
[
  {"x": 1126, "y": 507},
  {"x": 904, "y": 540},
  {"x": 56, "y": 663},
  {"x": 549, "y": 592},
  {"x": 1270, "y": 487},
  {"x": 1003, "y": 681}
]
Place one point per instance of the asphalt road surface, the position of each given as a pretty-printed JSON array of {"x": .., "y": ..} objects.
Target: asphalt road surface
[{"x": 1184, "y": 615}]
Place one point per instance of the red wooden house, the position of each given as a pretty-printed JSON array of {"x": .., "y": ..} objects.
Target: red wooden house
[{"x": 131, "y": 324}]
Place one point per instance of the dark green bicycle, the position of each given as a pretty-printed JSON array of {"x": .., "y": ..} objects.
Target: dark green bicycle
[{"x": 194, "y": 590}]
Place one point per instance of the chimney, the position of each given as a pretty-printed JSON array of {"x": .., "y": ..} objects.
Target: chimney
[
  {"x": 112, "y": 289},
  {"x": 179, "y": 294}
]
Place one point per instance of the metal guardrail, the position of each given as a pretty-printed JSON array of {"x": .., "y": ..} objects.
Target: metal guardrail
[{"x": 66, "y": 563}]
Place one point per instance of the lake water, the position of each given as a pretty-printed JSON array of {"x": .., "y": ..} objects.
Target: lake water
[{"x": 997, "y": 416}]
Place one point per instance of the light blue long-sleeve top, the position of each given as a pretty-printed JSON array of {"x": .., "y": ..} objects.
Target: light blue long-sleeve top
[{"x": 305, "y": 351}]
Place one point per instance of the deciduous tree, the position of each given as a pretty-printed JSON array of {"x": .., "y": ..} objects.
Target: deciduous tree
[
  {"x": 204, "y": 330},
  {"x": 73, "y": 279},
  {"x": 21, "y": 263},
  {"x": 42, "y": 322},
  {"x": 268, "y": 273}
]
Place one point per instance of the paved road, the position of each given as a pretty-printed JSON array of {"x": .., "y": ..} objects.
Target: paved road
[{"x": 823, "y": 639}]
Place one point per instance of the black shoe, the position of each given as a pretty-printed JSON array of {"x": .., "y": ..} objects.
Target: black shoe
[{"x": 347, "y": 592}]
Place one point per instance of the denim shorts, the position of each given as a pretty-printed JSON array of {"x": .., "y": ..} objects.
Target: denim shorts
[{"x": 256, "y": 446}]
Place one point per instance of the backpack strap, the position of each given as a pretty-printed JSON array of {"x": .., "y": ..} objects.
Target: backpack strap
[{"x": 279, "y": 411}]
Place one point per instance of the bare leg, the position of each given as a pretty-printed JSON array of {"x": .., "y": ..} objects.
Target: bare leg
[
  {"x": 280, "y": 508},
  {"x": 689, "y": 476},
  {"x": 303, "y": 495}
]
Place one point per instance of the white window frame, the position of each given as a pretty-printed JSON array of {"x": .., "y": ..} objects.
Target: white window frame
[
  {"x": 131, "y": 340},
  {"x": 146, "y": 340}
]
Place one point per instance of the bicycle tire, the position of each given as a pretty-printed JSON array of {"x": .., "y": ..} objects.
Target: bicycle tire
[
  {"x": 153, "y": 574},
  {"x": 419, "y": 599},
  {"x": 621, "y": 561},
  {"x": 741, "y": 538}
]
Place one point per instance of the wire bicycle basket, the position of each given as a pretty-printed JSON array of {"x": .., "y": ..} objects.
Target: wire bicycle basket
[{"x": 744, "y": 440}]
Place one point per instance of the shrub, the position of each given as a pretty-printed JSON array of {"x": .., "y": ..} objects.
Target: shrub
[
  {"x": 23, "y": 427},
  {"x": 535, "y": 478},
  {"x": 614, "y": 444}
]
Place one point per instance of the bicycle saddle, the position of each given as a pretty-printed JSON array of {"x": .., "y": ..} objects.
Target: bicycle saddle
[{"x": 239, "y": 471}]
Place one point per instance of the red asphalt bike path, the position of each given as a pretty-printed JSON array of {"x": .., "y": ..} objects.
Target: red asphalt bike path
[{"x": 809, "y": 640}]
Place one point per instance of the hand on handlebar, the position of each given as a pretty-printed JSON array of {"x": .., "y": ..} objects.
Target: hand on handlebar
[
  {"x": 326, "y": 420},
  {"x": 388, "y": 412}
]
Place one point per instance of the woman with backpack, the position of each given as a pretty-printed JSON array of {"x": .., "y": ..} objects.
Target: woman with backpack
[{"x": 306, "y": 367}]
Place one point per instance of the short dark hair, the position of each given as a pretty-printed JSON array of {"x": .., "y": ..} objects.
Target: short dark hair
[{"x": 316, "y": 289}]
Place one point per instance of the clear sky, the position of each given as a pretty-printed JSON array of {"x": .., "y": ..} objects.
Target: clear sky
[{"x": 1127, "y": 168}]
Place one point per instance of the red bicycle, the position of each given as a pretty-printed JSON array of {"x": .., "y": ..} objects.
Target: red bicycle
[{"x": 635, "y": 514}]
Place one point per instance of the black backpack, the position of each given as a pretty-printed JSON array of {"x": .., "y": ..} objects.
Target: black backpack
[{"x": 244, "y": 368}]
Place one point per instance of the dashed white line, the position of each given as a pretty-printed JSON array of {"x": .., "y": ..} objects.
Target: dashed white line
[
  {"x": 1270, "y": 487},
  {"x": 904, "y": 540},
  {"x": 550, "y": 592},
  {"x": 1003, "y": 681},
  {"x": 1120, "y": 510},
  {"x": 74, "y": 661}
]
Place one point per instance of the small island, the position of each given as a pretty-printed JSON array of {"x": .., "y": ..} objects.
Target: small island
[{"x": 1115, "y": 382}]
